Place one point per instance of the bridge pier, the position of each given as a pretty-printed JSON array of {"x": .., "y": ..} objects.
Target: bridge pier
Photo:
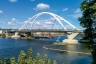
[
  {"x": 16, "y": 35},
  {"x": 71, "y": 38},
  {"x": 70, "y": 41}
]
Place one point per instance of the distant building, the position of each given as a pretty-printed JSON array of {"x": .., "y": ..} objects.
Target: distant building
[{"x": 1, "y": 31}]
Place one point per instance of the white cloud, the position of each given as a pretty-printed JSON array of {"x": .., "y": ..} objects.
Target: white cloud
[
  {"x": 13, "y": 0},
  {"x": 38, "y": 23},
  {"x": 13, "y": 19},
  {"x": 29, "y": 18},
  {"x": 9, "y": 23},
  {"x": 1, "y": 11},
  {"x": 41, "y": 6},
  {"x": 44, "y": 26},
  {"x": 76, "y": 15},
  {"x": 25, "y": 21},
  {"x": 32, "y": 0},
  {"x": 13, "y": 22},
  {"x": 52, "y": 19},
  {"x": 48, "y": 22},
  {"x": 65, "y": 9},
  {"x": 77, "y": 10}
]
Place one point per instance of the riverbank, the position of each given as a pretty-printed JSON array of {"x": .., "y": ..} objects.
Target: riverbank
[{"x": 63, "y": 51}]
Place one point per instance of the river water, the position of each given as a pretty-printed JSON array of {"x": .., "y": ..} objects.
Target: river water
[{"x": 12, "y": 47}]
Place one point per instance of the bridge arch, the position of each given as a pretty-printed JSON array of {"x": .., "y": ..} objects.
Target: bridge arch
[{"x": 58, "y": 18}]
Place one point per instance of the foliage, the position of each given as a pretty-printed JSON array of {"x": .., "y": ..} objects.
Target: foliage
[
  {"x": 88, "y": 21},
  {"x": 2, "y": 35},
  {"x": 24, "y": 58}
]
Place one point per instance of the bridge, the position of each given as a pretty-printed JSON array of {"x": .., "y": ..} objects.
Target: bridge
[
  {"x": 47, "y": 20},
  {"x": 45, "y": 30},
  {"x": 50, "y": 22}
]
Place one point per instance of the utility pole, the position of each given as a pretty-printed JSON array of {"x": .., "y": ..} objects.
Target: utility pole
[{"x": 6, "y": 27}]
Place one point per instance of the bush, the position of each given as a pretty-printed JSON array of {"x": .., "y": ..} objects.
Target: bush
[
  {"x": 2, "y": 35},
  {"x": 24, "y": 58}
]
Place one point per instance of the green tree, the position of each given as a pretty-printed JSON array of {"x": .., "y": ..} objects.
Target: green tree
[
  {"x": 23, "y": 58},
  {"x": 49, "y": 61},
  {"x": 88, "y": 21},
  {"x": 12, "y": 60},
  {"x": 54, "y": 62},
  {"x": 30, "y": 52},
  {"x": 45, "y": 58}
]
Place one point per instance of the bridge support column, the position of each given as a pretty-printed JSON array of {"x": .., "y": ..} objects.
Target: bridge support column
[
  {"x": 71, "y": 38},
  {"x": 70, "y": 41},
  {"x": 16, "y": 35}
]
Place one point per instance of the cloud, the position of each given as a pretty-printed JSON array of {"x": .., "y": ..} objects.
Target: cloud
[
  {"x": 41, "y": 6},
  {"x": 13, "y": 0},
  {"x": 32, "y": 0},
  {"x": 1, "y": 11},
  {"x": 77, "y": 10},
  {"x": 44, "y": 26},
  {"x": 13, "y": 22},
  {"x": 65, "y": 9},
  {"x": 76, "y": 15},
  {"x": 49, "y": 22},
  {"x": 52, "y": 19},
  {"x": 9, "y": 23},
  {"x": 25, "y": 21},
  {"x": 38, "y": 23},
  {"x": 13, "y": 19}
]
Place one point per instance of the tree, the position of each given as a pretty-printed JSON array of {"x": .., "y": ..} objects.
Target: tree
[
  {"x": 12, "y": 60},
  {"x": 24, "y": 58},
  {"x": 88, "y": 21}
]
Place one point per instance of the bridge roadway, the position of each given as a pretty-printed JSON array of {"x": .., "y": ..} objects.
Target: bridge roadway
[{"x": 45, "y": 30}]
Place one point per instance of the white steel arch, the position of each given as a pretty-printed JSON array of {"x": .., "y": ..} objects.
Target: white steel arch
[
  {"x": 58, "y": 18},
  {"x": 51, "y": 15},
  {"x": 67, "y": 22}
]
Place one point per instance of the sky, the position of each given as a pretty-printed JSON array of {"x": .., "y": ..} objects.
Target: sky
[{"x": 14, "y": 13}]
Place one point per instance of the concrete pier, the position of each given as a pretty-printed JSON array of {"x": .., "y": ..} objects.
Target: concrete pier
[
  {"x": 16, "y": 36},
  {"x": 71, "y": 38},
  {"x": 70, "y": 41}
]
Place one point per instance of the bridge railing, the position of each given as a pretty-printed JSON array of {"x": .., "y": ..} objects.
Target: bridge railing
[{"x": 47, "y": 29}]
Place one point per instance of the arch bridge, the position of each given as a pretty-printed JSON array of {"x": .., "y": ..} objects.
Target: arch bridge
[{"x": 46, "y": 21}]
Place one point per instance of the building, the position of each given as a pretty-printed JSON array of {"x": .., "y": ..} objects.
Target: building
[{"x": 1, "y": 31}]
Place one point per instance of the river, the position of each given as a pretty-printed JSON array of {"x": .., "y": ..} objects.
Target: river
[{"x": 12, "y": 47}]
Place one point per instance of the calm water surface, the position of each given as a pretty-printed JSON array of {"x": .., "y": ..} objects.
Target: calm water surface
[{"x": 11, "y": 47}]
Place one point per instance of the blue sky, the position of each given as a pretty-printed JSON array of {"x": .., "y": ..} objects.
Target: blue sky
[{"x": 16, "y": 12}]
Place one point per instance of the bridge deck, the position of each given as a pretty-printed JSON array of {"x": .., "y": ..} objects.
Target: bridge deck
[{"x": 44, "y": 31}]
